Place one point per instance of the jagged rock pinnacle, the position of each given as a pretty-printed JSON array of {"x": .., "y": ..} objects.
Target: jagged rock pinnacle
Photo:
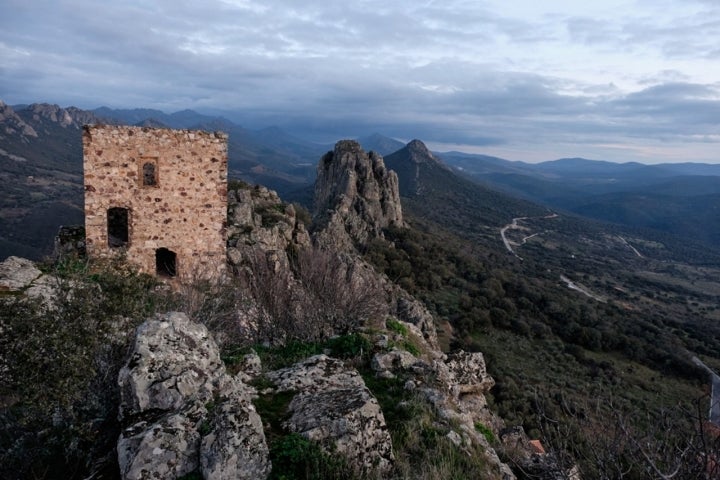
[{"x": 355, "y": 195}]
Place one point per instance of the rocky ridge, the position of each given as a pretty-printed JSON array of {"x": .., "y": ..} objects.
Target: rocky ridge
[{"x": 12, "y": 124}]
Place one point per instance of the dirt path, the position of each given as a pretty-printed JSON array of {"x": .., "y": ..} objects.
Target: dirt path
[
  {"x": 514, "y": 225},
  {"x": 574, "y": 286},
  {"x": 630, "y": 246}
]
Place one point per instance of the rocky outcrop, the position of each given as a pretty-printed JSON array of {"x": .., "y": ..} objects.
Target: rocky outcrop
[
  {"x": 260, "y": 223},
  {"x": 20, "y": 275},
  {"x": 181, "y": 412},
  {"x": 11, "y": 124},
  {"x": 455, "y": 388},
  {"x": 355, "y": 196},
  {"x": 70, "y": 117},
  {"x": 333, "y": 407}
]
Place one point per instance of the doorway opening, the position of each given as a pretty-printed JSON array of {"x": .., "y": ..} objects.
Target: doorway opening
[{"x": 165, "y": 262}]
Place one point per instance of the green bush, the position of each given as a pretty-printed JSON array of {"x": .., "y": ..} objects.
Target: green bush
[
  {"x": 349, "y": 346},
  {"x": 487, "y": 433}
]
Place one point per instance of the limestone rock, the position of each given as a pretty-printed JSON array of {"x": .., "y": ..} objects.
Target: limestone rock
[
  {"x": 174, "y": 362},
  {"x": 335, "y": 408},
  {"x": 316, "y": 373},
  {"x": 355, "y": 196},
  {"x": 393, "y": 360},
  {"x": 454, "y": 386},
  {"x": 234, "y": 447},
  {"x": 468, "y": 373},
  {"x": 17, "y": 273},
  {"x": 167, "y": 448},
  {"x": 181, "y": 411}
]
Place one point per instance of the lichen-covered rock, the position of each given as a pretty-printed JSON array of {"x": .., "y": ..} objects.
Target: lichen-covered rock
[
  {"x": 181, "y": 412},
  {"x": 334, "y": 408},
  {"x": 454, "y": 386},
  {"x": 174, "y": 362},
  {"x": 234, "y": 447},
  {"x": 17, "y": 273},
  {"x": 467, "y": 373},
  {"x": 167, "y": 448},
  {"x": 316, "y": 373}
]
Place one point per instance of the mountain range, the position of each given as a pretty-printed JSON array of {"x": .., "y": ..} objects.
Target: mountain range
[{"x": 41, "y": 161}]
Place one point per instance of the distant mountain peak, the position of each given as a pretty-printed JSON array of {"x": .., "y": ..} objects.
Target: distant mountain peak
[
  {"x": 417, "y": 167},
  {"x": 418, "y": 152}
]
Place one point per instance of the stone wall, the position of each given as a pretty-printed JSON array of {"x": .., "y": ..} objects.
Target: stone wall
[{"x": 168, "y": 193}]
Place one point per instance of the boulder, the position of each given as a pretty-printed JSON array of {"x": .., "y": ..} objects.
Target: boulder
[
  {"x": 181, "y": 412},
  {"x": 393, "y": 360},
  {"x": 467, "y": 373},
  {"x": 17, "y": 273},
  {"x": 334, "y": 408}
]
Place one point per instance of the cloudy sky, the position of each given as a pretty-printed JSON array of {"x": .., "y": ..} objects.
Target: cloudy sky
[{"x": 621, "y": 80}]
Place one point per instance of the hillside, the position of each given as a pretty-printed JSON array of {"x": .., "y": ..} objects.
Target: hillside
[
  {"x": 577, "y": 314},
  {"x": 666, "y": 198},
  {"x": 588, "y": 333}
]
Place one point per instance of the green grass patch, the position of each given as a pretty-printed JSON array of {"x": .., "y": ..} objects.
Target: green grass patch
[
  {"x": 487, "y": 433},
  {"x": 295, "y": 457}
]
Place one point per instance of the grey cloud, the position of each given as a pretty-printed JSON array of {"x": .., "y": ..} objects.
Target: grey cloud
[{"x": 407, "y": 69}]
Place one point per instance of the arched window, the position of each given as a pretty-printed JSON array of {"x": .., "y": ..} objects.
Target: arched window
[
  {"x": 118, "y": 223},
  {"x": 149, "y": 174},
  {"x": 165, "y": 262}
]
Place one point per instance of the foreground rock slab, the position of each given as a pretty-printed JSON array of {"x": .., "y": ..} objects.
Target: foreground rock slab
[{"x": 181, "y": 411}]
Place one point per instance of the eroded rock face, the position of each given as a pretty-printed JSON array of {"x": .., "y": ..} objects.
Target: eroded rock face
[
  {"x": 355, "y": 196},
  {"x": 335, "y": 408},
  {"x": 259, "y": 223},
  {"x": 182, "y": 412}
]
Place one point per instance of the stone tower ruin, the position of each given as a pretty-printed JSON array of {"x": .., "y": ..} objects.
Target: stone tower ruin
[{"x": 157, "y": 195}]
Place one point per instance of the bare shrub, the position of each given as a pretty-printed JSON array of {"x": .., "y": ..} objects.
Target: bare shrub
[
  {"x": 273, "y": 290},
  {"x": 217, "y": 301},
  {"x": 319, "y": 296},
  {"x": 338, "y": 299},
  {"x": 607, "y": 442}
]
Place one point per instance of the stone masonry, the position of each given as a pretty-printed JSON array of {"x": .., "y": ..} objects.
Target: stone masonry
[{"x": 157, "y": 195}]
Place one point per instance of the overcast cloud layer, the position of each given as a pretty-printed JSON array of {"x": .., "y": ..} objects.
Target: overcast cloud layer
[{"x": 621, "y": 80}]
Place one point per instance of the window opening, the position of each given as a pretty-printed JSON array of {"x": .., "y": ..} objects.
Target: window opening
[
  {"x": 149, "y": 174},
  {"x": 118, "y": 227},
  {"x": 165, "y": 262}
]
